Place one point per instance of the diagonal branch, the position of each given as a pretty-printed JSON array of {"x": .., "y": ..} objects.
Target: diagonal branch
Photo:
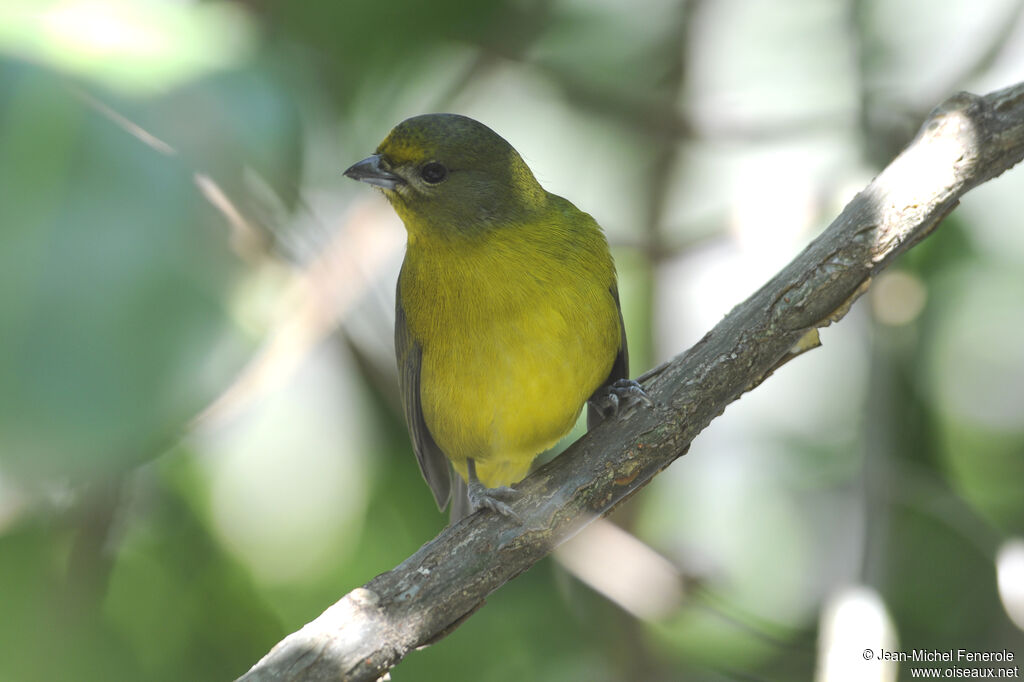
[{"x": 966, "y": 141}]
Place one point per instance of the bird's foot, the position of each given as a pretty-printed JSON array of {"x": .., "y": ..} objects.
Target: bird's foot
[
  {"x": 620, "y": 396},
  {"x": 495, "y": 499}
]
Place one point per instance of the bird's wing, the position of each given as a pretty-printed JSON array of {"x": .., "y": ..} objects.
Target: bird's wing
[
  {"x": 433, "y": 463},
  {"x": 620, "y": 368}
]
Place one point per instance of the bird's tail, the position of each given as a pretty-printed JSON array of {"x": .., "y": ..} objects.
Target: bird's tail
[{"x": 460, "y": 497}]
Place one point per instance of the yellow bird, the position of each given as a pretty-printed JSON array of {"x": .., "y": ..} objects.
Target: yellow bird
[{"x": 507, "y": 316}]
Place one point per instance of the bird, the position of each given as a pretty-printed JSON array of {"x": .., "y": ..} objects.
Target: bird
[{"x": 507, "y": 313}]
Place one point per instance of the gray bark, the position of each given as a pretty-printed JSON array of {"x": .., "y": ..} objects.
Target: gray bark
[{"x": 965, "y": 141}]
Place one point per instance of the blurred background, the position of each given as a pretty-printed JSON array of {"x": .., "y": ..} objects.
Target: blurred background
[{"x": 200, "y": 440}]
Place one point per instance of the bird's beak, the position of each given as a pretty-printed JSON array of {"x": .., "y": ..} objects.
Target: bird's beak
[{"x": 371, "y": 171}]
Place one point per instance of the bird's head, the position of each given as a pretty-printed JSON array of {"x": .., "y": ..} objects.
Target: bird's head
[{"x": 446, "y": 173}]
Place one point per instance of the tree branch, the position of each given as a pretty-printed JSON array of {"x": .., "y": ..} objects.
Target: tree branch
[{"x": 964, "y": 142}]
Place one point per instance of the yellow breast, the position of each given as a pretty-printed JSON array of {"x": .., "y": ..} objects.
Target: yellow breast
[{"x": 516, "y": 331}]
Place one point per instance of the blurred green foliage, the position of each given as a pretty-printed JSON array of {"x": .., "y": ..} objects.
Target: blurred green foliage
[
  {"x": 114, "y": 275},
  {"x": 172, "y": 215}
]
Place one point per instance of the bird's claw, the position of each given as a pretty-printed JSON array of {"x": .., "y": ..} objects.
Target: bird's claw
[
  {"x": 623, "y": 394},
  {"x": 495, "y": 499}
]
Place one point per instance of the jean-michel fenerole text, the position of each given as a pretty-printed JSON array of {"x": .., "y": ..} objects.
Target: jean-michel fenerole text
[{"x": 950, "y": 655}]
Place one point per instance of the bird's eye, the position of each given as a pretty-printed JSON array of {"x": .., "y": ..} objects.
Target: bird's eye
[{"x": 434, "y": 172}]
